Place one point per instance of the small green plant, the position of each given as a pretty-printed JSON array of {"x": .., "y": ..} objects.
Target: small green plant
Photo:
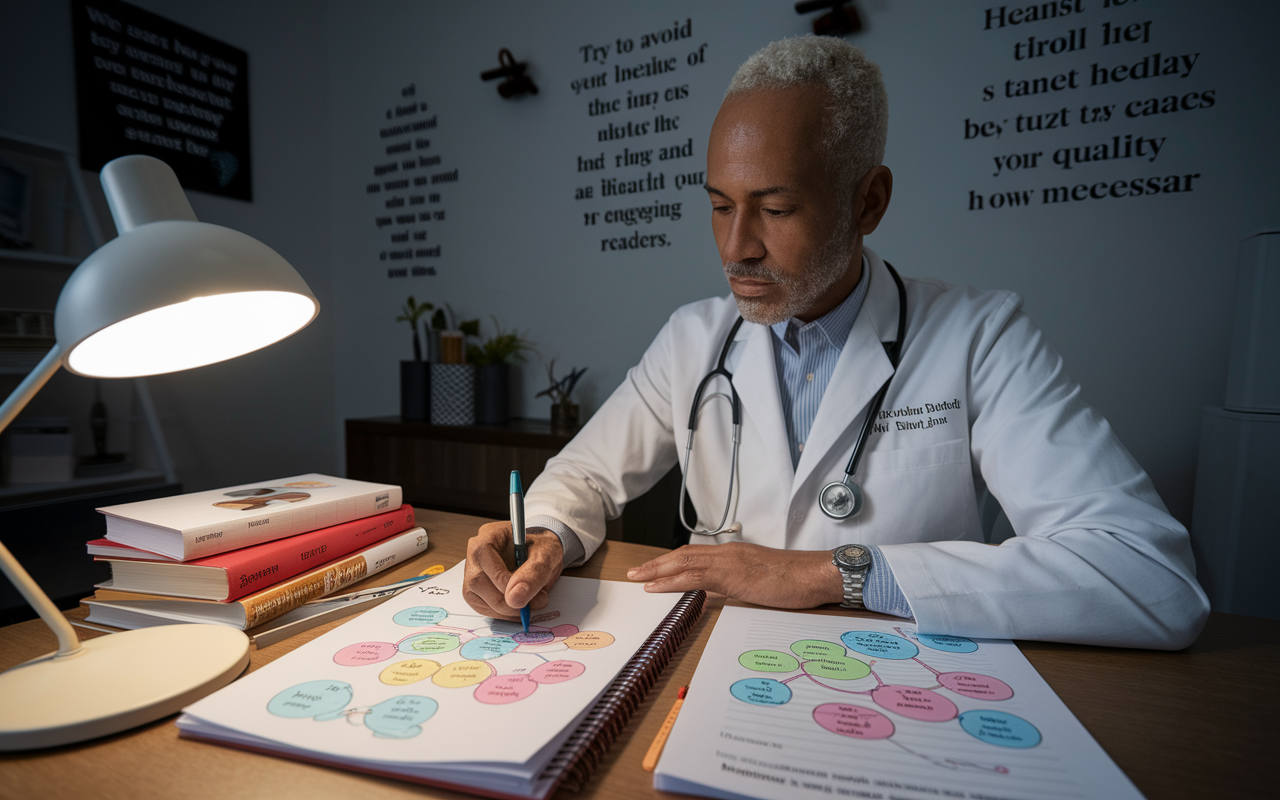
[
  {"x": 411, "y": 312},
  {"x": 445, "y": 320},
  {"x": 561, "y": 391},
  {"x": 504, "y": 347}
]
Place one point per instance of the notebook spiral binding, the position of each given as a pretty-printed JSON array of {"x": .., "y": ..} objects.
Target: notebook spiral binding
[{"x": 571, "y": 768}]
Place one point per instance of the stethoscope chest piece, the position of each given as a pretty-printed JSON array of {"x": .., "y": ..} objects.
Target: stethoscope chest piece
[{"x": 840, "y": 500}]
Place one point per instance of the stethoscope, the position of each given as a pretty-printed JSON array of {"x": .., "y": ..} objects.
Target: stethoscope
[{"x": 840, "y": 499}]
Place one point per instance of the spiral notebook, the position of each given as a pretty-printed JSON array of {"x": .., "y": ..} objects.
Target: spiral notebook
[{"x": 424, "y": 689}]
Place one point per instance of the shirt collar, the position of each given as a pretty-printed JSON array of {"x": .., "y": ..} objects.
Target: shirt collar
[{"x": 837, "y": 322}]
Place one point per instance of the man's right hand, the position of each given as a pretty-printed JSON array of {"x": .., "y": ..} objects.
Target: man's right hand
[{"x": 492, "y": 589}]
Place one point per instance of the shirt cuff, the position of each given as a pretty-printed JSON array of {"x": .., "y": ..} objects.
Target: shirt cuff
[
  {"x": 574, "y": 553},
  {"x": 880, "y": 592}
]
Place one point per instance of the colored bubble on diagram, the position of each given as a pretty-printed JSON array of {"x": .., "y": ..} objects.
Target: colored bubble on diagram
[
  {"x": 400, "y": 717},
  {"x": 420, "y": 616},
  {"x": 503, "y": 689},
  {"x": 355, "y": 655},
  {"x": 486, "y": 647},
  {"x": 998, "y": 728},
  {"x": 589, "y": 640},
  {"x": 807, "y": 649},
  {"x": 979, "y": 687},
  {"x": 321, "y": 700},
  {"x": 557, "y": 671},
  {"x": 535, "y": 635},
  {"x": 912, "y": 702},
  {"x": 761, "y": 691},
  {"x": 853, "y": 721},
  {"x": 768, "y": 661},
  {"x": 429, "y": 643},
  {"x": 840, "y": 668},
  {"x": 403, "y": 673},
  {"x": 461, "y": 674},
  {"x": 947, "y": 644},
  {"x": 879, "y": 645}
]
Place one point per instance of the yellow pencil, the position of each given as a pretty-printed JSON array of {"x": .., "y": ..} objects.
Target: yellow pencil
[{"x": 655, "y": 749}]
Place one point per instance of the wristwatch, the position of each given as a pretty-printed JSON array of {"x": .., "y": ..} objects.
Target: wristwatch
[{"x": 853, "y": 561}]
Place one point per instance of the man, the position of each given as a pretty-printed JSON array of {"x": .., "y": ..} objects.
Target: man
[{"x": 978, "y": 400}]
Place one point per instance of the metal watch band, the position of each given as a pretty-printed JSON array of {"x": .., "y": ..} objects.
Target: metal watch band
[{"x": 853, "y": 588}]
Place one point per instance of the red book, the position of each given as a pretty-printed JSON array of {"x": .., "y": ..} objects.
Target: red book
[{"x": 237, "y": 573}]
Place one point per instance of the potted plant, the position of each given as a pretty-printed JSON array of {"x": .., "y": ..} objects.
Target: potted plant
[
  {"x": 415, "y": 375},
  {"x": 453, "y": 381},
  {"x": 564, "y": 412},
  {"x": 493, "y": 359}
]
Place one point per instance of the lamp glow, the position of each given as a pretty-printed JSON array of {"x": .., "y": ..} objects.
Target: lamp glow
[{"x": 200, "y": 331}]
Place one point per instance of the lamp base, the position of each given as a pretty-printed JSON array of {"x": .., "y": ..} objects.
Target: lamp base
[{"x": 116, "y": 682}]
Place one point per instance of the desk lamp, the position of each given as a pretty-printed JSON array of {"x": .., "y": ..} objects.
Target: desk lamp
[{"x": 169, "y": 293}]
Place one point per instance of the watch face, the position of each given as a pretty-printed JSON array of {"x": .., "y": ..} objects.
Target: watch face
[{"x": 853, "y": 555}]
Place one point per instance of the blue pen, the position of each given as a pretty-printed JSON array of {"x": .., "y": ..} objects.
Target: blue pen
[{"x": 517, "y": 532}]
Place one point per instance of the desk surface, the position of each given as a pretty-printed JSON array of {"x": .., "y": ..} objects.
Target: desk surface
[{"x": 1196, "y": 723}]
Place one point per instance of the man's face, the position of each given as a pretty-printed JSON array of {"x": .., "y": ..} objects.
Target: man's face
[{"x": 784, "y": 232}]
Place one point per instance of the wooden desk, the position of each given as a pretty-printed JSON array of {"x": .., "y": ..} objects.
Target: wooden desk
[{"x": 1197, "y": 723}]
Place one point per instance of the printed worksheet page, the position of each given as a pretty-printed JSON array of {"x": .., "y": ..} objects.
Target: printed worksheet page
[{"x": 786, "y": 705}]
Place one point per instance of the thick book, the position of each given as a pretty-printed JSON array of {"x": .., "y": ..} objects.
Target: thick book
[
  {"x": 235, "y": 574},
  {"x": 190, "y": 526},
  {"x": 252, "y": 610},
  {"x": 423, "y": 689}
]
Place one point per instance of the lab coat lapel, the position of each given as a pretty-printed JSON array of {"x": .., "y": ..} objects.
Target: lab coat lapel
[
  {"x": 755, "y": 376},
  {"x": 861, "y": 370}
]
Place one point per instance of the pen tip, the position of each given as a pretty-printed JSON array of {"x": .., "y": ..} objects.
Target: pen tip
[{"x": 524, "y": 618}]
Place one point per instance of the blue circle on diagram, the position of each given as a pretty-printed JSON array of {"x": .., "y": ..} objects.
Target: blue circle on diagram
[
  {"x": 879, "y": 645},
  {"x": 420, "y": 616},
  {"x": 400, "y": 717},
  {"x": 999, "y": 728},
  {"x": 947, "y": 644},
  {"x": 311, "y": 699},
  {"x": 485, "y": 647},
  {"x": 761, "y": 691}
]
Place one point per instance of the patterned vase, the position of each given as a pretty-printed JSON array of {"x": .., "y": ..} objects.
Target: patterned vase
[{"x": 453, "y": 394}]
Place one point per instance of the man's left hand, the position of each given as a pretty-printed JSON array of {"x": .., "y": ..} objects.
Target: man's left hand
[{"x": 749, "y": 572}]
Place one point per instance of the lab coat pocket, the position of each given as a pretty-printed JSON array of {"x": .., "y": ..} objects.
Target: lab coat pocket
[{"x": 920, "y": 494}]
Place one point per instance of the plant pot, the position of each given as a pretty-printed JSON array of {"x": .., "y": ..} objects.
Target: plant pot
[
  {"x": 453, "y": 394},
  {"x": 493, "y": 382},
  {"x": 415, "y": 390},
  {"x": 564, "y": 418}
]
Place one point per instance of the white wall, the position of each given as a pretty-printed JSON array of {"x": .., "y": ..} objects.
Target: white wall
[
  {"x": 270, "y": 413},
  {"x": 1137, "y": 293}
]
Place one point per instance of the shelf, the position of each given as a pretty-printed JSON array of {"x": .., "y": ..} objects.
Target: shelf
[
  {"x": 36, "y": 257},
  {"x": 13, "y": 494}
]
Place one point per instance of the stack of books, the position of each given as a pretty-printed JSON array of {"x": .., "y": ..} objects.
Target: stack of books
[{"x": 246, "y": 556}]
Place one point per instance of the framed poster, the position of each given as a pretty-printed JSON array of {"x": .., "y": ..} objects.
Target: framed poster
[{"x": 147, "y": 85}]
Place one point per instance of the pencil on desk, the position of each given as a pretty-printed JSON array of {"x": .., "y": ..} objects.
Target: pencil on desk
[{"x": 655, "y": 749}]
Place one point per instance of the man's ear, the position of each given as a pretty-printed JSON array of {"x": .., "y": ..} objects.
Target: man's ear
[{"x": 872, "y": 199}]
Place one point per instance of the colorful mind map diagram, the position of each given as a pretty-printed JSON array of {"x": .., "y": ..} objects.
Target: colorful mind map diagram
[
  {"x": 830, "y": 666},
  {"x": 484, "y": 645}
]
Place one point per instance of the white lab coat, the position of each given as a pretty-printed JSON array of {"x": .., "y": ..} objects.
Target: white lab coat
[{"x": 980, "y": 399}]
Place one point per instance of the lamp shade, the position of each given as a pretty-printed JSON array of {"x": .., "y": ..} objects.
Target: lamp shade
[{"x": 172, "y": 294}]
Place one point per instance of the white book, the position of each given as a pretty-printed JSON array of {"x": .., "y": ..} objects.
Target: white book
[{"x": 201, "y": 524}]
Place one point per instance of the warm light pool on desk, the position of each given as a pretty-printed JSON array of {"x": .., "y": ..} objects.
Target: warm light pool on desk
[{"x": 169, "y": 293}]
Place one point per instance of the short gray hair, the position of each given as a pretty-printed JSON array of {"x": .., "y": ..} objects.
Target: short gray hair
[{"x": 858, "y": 110}]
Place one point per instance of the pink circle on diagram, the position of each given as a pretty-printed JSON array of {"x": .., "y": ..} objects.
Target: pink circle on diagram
[
  {"x": 557, "y": 671},
  {"x": 353, "y": 655},
  {"x": 853, "y": 721},
  {"x": 502, "y": 689},
  {"x": 535, "y": 635},
  {"x": 561, "y": 631},
  {"x": 980, "y": 687},
  {"x": 925, "y": 705}
]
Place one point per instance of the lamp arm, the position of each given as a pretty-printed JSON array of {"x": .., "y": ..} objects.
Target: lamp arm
[{"x": 68, "y": 642}]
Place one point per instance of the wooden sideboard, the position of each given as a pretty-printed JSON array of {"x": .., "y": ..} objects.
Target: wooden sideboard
[{"x": 466, "y": 469}]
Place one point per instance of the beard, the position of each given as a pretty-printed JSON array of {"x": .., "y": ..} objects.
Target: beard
[{"x": 800, "y": 292}]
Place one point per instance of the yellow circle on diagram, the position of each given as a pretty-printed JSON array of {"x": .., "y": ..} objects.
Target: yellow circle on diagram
[
  {"x": 589, "y": 640},
  {"x": 462, "y": 673},
  {"x": 403, "y": 673}
]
